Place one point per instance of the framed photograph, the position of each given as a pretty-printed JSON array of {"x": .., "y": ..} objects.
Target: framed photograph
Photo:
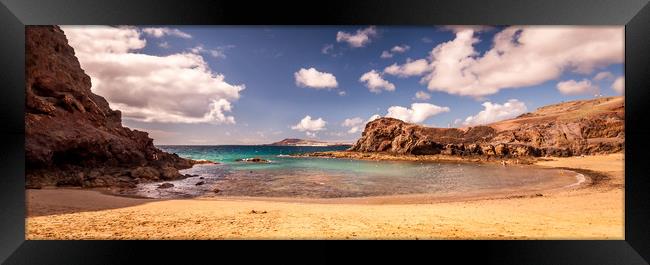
[{"x": 502, "y": 128}]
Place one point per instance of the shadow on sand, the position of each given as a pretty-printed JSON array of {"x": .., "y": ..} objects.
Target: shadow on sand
[{"x": 53, "y": 201}]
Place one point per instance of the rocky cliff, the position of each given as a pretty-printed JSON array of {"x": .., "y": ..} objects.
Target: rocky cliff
[
  {"x": 567, "y": 129},
  {"x": 72, "y": 137}
]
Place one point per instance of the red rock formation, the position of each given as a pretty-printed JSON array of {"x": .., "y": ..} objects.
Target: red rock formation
[
  {"x": 72, "y": 137},
  {"x": 573, "y": 128}
]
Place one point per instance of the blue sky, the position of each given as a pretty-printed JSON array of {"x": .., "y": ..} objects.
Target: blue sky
[{"x": 261, "y": 63}]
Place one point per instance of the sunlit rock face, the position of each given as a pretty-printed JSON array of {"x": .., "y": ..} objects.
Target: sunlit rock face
[{"x": 573, "y": 128}]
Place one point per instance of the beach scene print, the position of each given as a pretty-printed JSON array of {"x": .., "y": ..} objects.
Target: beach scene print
[{"x": 324, "y": 132}]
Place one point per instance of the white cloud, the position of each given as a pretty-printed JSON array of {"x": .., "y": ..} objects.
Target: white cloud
[
  {"x": 400, "y": 48},
  {"x": 603, "y": 76},
  {"x": 410, "y": 68},
  {"x": 386, "y": 55},
  {"x": 359, "y": 39},
  {"x": 427, "y": 40},
  {"x": 354, "y": 129},
  {"x": 309, "y": 125},
  {"x": 619, "y": 85},
  {"x": 374, "y": 81},
  {"x": 357, "y": 124},
  {"x": 418, "y": 112},
  {"x": 493, "y": 112},
  {"x": 177, "y": 88},
  {"x": 421, "y": 95},
  {"x": 342, "y": 93},
  {"x": 214, "y": 114},
  {"x": 520, "y": 56},
  {"x": 160, "y": 32},
  {"x": 396, "y": 49},
  {"x": 353, "y": 123},
  {"x": 315, "y": 79},
  {"x": 102, "y": 39},
  {"x": 571, "y": 87}
]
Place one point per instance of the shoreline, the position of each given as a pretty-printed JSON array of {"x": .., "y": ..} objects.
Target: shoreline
[
  {"x": 439, "y": 158},
  {"x": 403, "y": 198},
  {"x": 592, "y": 210}
]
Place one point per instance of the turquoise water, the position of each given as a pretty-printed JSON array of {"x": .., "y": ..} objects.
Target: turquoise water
[
  {"x": 227, "y": 154},
  {"x": 305, "y": 177}
]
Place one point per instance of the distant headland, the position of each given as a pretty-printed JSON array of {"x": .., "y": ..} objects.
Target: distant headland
[{"x": 305, "y": 142}]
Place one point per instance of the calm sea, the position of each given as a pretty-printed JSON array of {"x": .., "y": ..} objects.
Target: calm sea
[{"x": 286, "y": 176}]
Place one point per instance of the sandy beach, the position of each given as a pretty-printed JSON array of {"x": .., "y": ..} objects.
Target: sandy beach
[{"x": 593, "y": 210}]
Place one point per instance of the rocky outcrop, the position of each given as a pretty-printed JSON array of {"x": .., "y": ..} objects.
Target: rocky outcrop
[
  {"x": 72, "y": 137},
  {"x": 573, "y": 128},
  {"x": 252, "y": 160}
]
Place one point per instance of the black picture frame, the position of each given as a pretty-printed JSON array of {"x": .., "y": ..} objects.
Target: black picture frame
[{"x": 634, "y": 14}]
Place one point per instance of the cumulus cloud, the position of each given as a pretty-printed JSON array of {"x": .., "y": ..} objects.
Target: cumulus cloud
[
  {"x": 418, "y": 112},
  {"x": 520, "y": 57},
  {"x": 603, "y": 76},
  {"x": 619, "y": 85},
  {"x": 571, "y": 87},
  {"x": 353, "y": 123},
  {"x": 410, "y": 68},
  {"x": 375, "y": 82},
  {"x": 310, "y": 126},
  {"x": 421, "y": 95},
  {"x": 396, "y": 49},
  {"x": 359, "y": 39},
  {"x": 161, "y": 32},
  {"x": 315, "y": 79},
  {"x": 176, "y": 88},
  {"x": 101, "y": 39},
  {"x": 493, "y": 112}
]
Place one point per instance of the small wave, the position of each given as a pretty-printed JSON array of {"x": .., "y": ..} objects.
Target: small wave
[{"x": 581, "y": 179}]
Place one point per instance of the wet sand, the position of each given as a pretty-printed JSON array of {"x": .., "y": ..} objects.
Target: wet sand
[{"x": 593, "y": 210}]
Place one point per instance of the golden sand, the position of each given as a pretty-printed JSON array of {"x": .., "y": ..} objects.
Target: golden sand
[{"x": 590, "y": 211}]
